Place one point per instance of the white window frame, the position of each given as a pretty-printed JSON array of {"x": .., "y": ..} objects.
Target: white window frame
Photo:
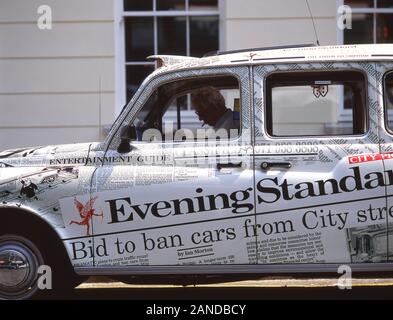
[
  {"x": 374, "y": 11},
  {"x": 346, "y": 115},
  {"x": 120, "y": 57}
]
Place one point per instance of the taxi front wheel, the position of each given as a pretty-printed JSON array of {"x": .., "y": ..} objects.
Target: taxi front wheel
[{"x": 20, "y": 261}]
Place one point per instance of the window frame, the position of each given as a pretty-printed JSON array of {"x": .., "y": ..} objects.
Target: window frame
[
  {"x": 388, "y": 114},
  {"x": 120, "y": 41},
  {"x": 374, "y": 11},
  {"x": 267, "y": 112},
  {"x": 345, "y": 115},
  {"x": 186, "y": 112},
  {"x": 148, "y": 85}
]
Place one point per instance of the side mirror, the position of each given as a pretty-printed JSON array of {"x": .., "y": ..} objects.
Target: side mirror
[{"x": 127, "y": 133}]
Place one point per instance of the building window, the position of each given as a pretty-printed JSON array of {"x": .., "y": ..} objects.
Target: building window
[
  {"x": 372, "y": 22},
  {"x": 173, "y": 27}
]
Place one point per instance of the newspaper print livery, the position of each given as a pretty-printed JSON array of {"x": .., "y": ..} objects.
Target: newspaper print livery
[
  {"x": 173, "y": 204},
  {"x": 176, "y": 205},
  {"x": 320, "y": 209}
]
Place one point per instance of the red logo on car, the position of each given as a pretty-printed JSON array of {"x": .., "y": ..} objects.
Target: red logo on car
[
  {"x": 86, "y": 212},
  {"x": 370, "y": 157}
]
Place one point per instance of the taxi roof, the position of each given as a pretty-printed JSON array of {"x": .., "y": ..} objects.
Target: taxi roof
[{"x": 298, "y": 54}]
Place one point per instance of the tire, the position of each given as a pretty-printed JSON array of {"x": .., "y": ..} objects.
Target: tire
[{"x": 20, "y": 258}]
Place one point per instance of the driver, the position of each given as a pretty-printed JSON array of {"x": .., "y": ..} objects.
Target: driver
[{"x": 210, "y": 107}]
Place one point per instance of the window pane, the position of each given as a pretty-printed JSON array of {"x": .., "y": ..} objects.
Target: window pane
[
  {"x": 172, "y": 35},
  {"x": 199, "y": 5},
  {"x": 217, "y": 106},
  {"x": 203, "y": 35},
  {"x": 197, "y": 119},
  {"x": 309, "y": 105},
  {"x": 179, "y": 101},
  {"x": 135, "y": 76},
  {"x": 360, "y": 3},
  {"x": 362, "y": 30},
  {"x": 138, "y": 5},
  {"x": 389, "y": 99},
  {"x": 171, "y": 5},
  {"x": 139, "y": 36},
  {"x": 348, "y": 98},
  {"x": 384, "y": 3},
  {"x": 384, "y": 28}
]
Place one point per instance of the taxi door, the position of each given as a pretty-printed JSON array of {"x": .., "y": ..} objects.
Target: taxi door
[
  {"x": 177, "y": 202},
  {"x": 318, "y": 178}
]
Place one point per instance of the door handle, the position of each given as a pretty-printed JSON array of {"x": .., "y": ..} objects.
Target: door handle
[
  {"x": 229, "y": 165},
  {"x": 269, "y": 165}
]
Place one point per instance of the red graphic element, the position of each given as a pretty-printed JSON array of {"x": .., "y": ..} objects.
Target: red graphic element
[
  {"x": 370, "y": 157},
  {"x": 86, "y": 213}
]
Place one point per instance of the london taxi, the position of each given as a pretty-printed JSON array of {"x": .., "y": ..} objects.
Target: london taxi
[{"x": 251, "y": 162}]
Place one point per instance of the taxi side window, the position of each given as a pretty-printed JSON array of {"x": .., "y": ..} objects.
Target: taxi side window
[
  {"x": 388, "y": 93},
  {"x": 309, "y": 103},
  {"x": 191, "y": 109}
]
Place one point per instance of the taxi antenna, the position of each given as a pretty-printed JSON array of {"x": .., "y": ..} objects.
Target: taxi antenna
[
  {"x": 313, "y": 24},
  {"x": 99, "y": 109}
]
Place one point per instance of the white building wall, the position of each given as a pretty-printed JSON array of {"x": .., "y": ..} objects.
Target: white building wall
[
  {"x": 52, "y": 82},
  {"x": 260, "y": 23}
]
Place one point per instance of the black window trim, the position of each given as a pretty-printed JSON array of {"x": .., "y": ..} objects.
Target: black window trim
[{"x": 385, "y": 102}]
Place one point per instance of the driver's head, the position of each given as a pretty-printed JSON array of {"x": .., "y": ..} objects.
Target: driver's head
[{"x": 209, "y": 105}]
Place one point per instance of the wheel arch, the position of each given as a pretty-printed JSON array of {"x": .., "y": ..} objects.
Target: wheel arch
[{"x": 33, "y": 224}]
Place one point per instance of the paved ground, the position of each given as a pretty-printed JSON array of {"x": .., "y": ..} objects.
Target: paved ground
[{"x": 258, "y": 289}]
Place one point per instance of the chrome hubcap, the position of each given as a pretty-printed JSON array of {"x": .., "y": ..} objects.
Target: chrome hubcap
[
  {"x": 18, "y": 267},
  {"x": 14, "y": 268}
]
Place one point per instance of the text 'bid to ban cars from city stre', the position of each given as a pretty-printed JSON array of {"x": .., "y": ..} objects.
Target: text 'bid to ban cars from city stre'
[{"x": 249, "y": 162}]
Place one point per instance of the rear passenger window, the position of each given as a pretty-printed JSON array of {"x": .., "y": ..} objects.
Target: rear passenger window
[
  {"x": 389, "y": 99},
  {"x": 309, "y": 104}
]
